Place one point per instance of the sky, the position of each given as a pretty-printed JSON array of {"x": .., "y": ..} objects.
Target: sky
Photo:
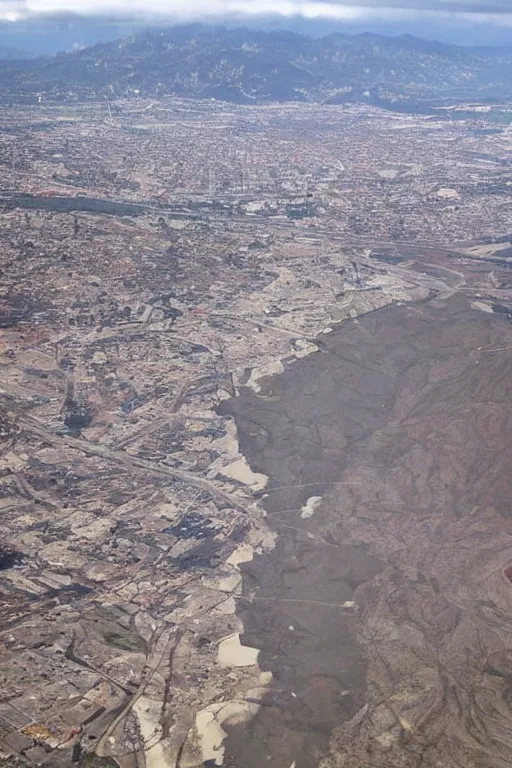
[
  {"x": 348, "y": 11},
  {"x": 57, "y": 22}
]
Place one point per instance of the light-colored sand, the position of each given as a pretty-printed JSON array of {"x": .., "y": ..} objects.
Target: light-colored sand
[
  {"x": 211, "y": 736},
  {"x": 310, "y": 507},
  {"x": 148, "y": 714},
  {"x": 304, "y": 348},
  {"x": 209, "y": 722},
  {"x": 270, "y": 369},
  {"x": 232, "y": 653},
  {"x": 241, "y": 471},
  {"x": 226, "y": 583},
  {"x": 483, "y": 306},
  {"x": 228, "y": 443},
  {"x": 225, "y": 608},
  {"x": 242, "y": 554},
  {"x": 237, "y": 468}
]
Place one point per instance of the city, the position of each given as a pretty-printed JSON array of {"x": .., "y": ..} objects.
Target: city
[{"x": 176, "y": 278}]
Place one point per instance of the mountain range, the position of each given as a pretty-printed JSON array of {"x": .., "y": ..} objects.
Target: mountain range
[{"x": 250, "y": 66}]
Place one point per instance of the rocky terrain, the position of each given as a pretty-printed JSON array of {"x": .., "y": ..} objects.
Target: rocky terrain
[{"x": 251, "y": 67}]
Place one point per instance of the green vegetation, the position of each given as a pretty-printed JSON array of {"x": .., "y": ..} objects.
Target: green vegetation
[{"x": 124, "y": 639}]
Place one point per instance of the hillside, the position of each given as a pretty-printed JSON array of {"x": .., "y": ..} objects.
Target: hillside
[{"x": 248, "y": 66}]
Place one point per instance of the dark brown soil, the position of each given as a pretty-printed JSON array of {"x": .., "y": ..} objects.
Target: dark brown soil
[{"x": 403, "y": 424}]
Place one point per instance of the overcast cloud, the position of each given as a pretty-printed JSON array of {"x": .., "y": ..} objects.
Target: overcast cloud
[{"x": 486, "y": 11}]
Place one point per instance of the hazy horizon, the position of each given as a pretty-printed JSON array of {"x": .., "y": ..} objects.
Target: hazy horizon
[
  {"x": 47, "y": 36},
  {"x": 48, "y": 26}
]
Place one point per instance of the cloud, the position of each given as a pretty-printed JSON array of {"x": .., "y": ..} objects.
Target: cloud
[{"x": 488, "y": 11}]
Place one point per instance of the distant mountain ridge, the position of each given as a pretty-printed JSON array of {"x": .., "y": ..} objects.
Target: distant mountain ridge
[
  {"x": 250, "y": 66},
  {"x": 7, "y": 53}
]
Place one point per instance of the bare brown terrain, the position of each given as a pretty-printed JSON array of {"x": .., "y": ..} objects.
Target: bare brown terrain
[{"x": 387, "y": 609}]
